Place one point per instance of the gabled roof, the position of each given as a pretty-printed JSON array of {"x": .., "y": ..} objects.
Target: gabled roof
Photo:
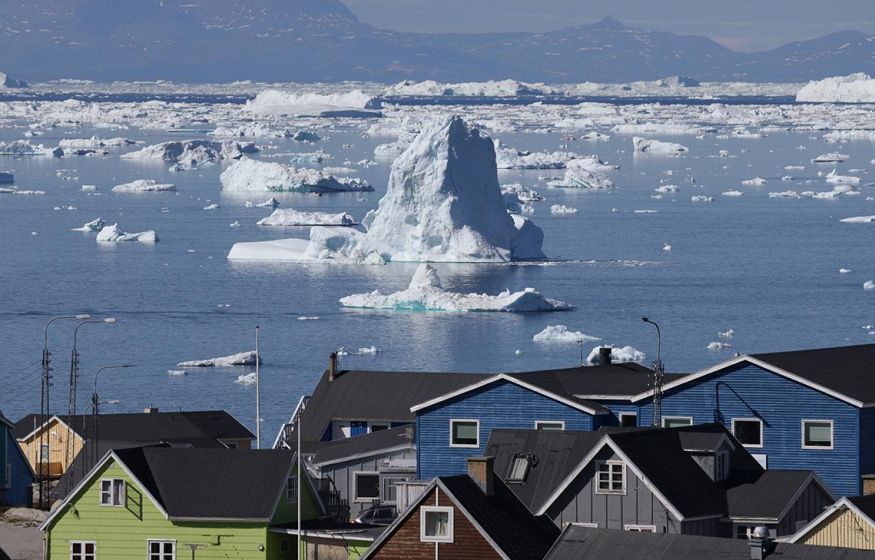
[
  {"x": 510, "y": 528},
  {"x": 771, "y": 495},
  {"x": 846, "y": 373},
  {"x": 367, "y": 445},
  {"x": 600, "y": 382},
  {"x": 862, "y": 506},
  {"x": 583, "y": 543}
]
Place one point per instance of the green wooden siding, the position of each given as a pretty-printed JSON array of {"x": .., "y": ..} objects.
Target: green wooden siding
[{"x": 287, "y": 512}]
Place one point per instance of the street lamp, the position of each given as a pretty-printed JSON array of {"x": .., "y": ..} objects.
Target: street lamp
[
  {"x": 658, "y": 376},
  {"x": 95, "y": 410}
]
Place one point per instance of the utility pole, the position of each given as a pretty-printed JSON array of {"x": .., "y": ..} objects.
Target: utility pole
[
  {"x": 257, "y": 394},
  {"x": 658, "y": 376},
  {"x": 303, "y": 403}
]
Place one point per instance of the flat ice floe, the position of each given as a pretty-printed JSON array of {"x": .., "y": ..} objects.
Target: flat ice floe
[
  {"x": 144, "y": 185},
  {"x": 831, "y": 157},
  {"x": 443, "y": 204},
  {"x": 188, "y": 154},
  {"x": 240, "y": 359},
  {"x": 854, "y": 88},
  {"x": 425, "y": 293},
  {"x": 114, "y": 234},
  {"x": 657, "y": 147},
  {"x": 254, "y": 175},
  {"x": 755, "y": 182},
  {"x": 501, "y": 88},
  {"x": 290, "y": 217},
  {"x": 618, "y": 355},
  {"x": 562, "y": 334},
  {"x": 858, "y": 220}
]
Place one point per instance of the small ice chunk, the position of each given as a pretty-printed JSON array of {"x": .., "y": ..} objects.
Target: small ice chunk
[
  {"x": 240, "y": 359},
  {"x": 845, "y": 271},
  {"x": 755, "y": 182},
  {"x": 701, "y": 198},
  {"x": 561, "y": 334},
  {"x": 716, "y": 346},
  {"x": 618, "y": 354},
  {"x": 94, "y": 225},
  {"x": 732, "y": 193},
  {"x": 664, "y": 189},
  {"x": 212, "y": 207},
  {"x": 236, "y": 224},
  {"x": 869, "y": 285},
  {"x": 858, "y": 220},
  {"x": 562, "y": 210},
  {"x": 666, "y": 247},
  {"x": 246, "y": 379},
  {"x": 369, "y": 350},
  {"x": 88, "y": 188},
  {"x": 176, "y": 372},
  {"x": 114, "y": 234},
  {"x": 831, "y": 157},
  {"x": 726, "y": 334}
]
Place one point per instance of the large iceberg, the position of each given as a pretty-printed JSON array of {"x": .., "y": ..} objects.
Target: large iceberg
[
  {"x": 854, "y": 88},
  {"x": 500, "y": 88},
  {"x": 290, "y": 217},
  {"x": 241, "y": 359},
  {"x": 443, "y": 204},
  {"x": 351, "y": 104},
  {"x": 192, "y": 153},
  {"x": 425, "y": 293},
  {"x": 115, "y": 234},
  {"x": 647, "y": 146},
  {"x": 254, "y": 175},
  {"x": 93, "y": 143}
]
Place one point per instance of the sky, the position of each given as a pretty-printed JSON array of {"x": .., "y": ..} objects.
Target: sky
[{"x": 746, "y": 25}]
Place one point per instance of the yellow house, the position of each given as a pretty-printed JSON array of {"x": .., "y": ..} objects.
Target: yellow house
[
  {"x": 848, "y": 523},
  {"x": 57, "y": 442}
]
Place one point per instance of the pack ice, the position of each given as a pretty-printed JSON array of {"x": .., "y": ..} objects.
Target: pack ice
[
  {"x": 443, "y": 204},
  {"x": 425, "y": 293},
  {"x": 254, "y": 175},
  {"x": 854, "y": 88},
  {"x": 240, "y": 359}
]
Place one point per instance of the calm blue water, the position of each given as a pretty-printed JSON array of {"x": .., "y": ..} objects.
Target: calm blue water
[{"x": 767, "y": 268}]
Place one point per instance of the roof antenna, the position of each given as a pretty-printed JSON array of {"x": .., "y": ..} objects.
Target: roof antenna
[
  {"x": 580, "y": 343},
  {"x": 658, "y": 376}
]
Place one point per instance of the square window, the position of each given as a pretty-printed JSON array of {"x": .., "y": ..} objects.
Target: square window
[
  {"x": 676, "y": 421},
  {"x": 83, "y": 550},
  {"x": 519, "y": 469},
  {"x": 367, "y": 486},
  {"x": 817, "y": 434},
  {"x": 464, "y": 433},
  {"x": 610, "y": 477},
  {"x": 550, "y": 425},
  {"x": 112, "y": 492},
  {"x": 748, "y": 431},
  {"x": 436, "y": 524},
  {"x": 640, "y": 528},
  {"x": 629, "y": 419},
  {"x": 162, "y": 550}
]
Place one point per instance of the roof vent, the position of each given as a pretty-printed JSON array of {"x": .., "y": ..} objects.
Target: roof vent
[
  {"x": 332, "y": 366},
  {"x": 761, "y": 545},
  {"x": 605, "y": 356}
]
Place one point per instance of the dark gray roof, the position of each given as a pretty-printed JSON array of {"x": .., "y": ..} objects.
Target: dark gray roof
[
  {"x": 849, "y": 370},
  {"x": 582, "y": 543},
  {"x": 866, "y": 504},
  {"x": 707, "y": 441},
  {"x": 375, "y": 395},
  {"x": 364, "y": 445},
  {"x": 616, "y": 379},
  {"x": 211, "y": 483},
  {"x": 768, "y": 496},
  {"x": 163, "y": 426}
]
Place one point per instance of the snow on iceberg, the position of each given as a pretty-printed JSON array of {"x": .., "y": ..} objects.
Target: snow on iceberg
[
  {"x": 854, "y": 88},
  {"x": 657, "y": 147},
  {"x": 290, "y": 217},
  {"x": 351, "y": 104},
  {"x": 192, "y": 153},
  {"x": 443, "y": 204},
  {"x": 94, "y": 225},
  {"x": 618, "y": 355},
  {"x": 425, "y": 293},
  {"x": 114, "y": 234},
  {"x": 143, "y": 185},
  {"x": 241, "y": 359},
  {"x": 561, "y": 334},
  {"x": 254, "y": 175},
  {"x": 579, "y": 174}
]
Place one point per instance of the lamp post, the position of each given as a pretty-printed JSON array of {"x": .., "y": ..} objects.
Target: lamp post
[
  {"x": 658, "y": 375},
  {"x": 95, "y": 410},
  {"x": 43, "y": 459}
]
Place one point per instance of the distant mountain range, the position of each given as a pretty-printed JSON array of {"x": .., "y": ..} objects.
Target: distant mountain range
[{"x": 322, "y": 40}]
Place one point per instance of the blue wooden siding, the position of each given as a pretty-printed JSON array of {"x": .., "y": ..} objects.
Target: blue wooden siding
[
  {"x": 748, "y": 391},
  {"x": 617, "y": 408},
  {"x": 867, "y": 441},
  {"x": 20, "y": 490},
  {"x": 499, "y": 405}
]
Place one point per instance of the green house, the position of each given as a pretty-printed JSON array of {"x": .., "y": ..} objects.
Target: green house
[{"x": 163, "y": 503}]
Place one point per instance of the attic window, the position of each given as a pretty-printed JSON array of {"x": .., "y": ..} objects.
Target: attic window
[
  {"x": 610, "y": 477},
  {"x": 436, "y": 524},
  {"x": 112, "y": 492},
  {"x": 721, "y": 466},
  {"x": 519, "y": 469}
]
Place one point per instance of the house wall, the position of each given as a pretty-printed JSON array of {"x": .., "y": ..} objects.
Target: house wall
[
  {"x": 19, "y": 488},
  {"x": 343, "y": 474},
  {"x": 843, "y": 528},
  {"x": 638, "y": 506},
  {"x": 867, "y": 441},
  {"x": 746, "y": 391},
  {"x": 287, "y": 512},
  {"x": 809, "y": 505},
  {"x": 335, "y": 549},
  {"x": 60, "y": 456},
  {"x": 499, "y": 405},
  {"x": 467, "y": 542}
]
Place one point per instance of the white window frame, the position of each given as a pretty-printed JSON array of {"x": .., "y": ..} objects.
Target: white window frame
[
  {"x": 832, "y": 434},
  {"x": 634, "y": 527},
  {"x": 292, "y": 489},
  {"x": 721, "y": 457},
  {"x": 82, "y": 554},
  {"x": 587, "y": 525},
  {"x": 355, "y": 486},
  {"x": 762, "y": 432},
  {"x": 162, "y": 541},
  {"x": 622, "y": 414},
  {"x": 609, "y": 491},
  {"x": 664, "y": 418},
  {"x": 539, "y": 423},
  {"x": 465, "y": 445},
  {"x": 436, "y": 509},
  {"x": 112, "y": 482}
]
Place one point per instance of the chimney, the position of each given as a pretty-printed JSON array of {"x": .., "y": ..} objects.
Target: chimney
[
  {"x": 868, "y": 484},
  {"x": 332, "y": 366},
  {"x": 150, "y": 410},
  {"x": 761, "y": 545},
  {"x": 480, "y": 470},
  {"x": 605, "y": 355}
]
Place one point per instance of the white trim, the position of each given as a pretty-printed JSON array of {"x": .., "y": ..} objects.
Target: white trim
[
  {"x": 610, "y": 491},
  {"x": 843, "y": 503},
  {"x": 49, "y": 421},
  {"x": 621, "y": 414},
  {"x": 465, "y": 445},
  {"x": 560, "y": 422},
  {"x": 723, "y": 439},
  {"x": 757, "y": 362},
  {"x": 508, "y": 378},
  {"x": 831, "y": 434},
  {"x": 348, "y": 458},
  {"x": 423, "y": 511},
  {"x": 159, "y": 540},
  {"x": 279, "y": 434},
  {"x": 762, "y": 442},
  {"x": 637, "y": 528},
  {"x": 386, "y": 478},
  {"x": 587, "y": 525},
  {"x": 355, "y": 486},
  {"x": 664, "y": 418},
  {"x": 604, "y": 398},
  {"x": 83, "y": 555}
]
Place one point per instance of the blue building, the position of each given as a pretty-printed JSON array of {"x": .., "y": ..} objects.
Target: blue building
[{"x": 16, "y": 477}]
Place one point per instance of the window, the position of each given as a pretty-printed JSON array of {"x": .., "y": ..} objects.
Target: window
[
  {"x": 367, "y": 486},
  {"x": 676, "y": 421},
  {"x": 817, "y": 434},
  {"x": 721, "y": 465},
  {"x": 640, "y": 528},
  {"x": 519, "y": 469},
  {"x": 83, "y": 550},
  {"x": 292, "y": 489},
  {"x": 464, "y": 433},
  {"x": 550, "y": 425},
  {"x": 162, "y": 550},
  {"x": 629, "y": 419},
  {"x": 379, "y": 427},
  {"x": 390, "y": 492},
  {"x": 436, "y": 524},
  {"x": 610, "y": 477},
  {"x": 748, "y": 431},
  {"x": 112, "y": 492}
]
